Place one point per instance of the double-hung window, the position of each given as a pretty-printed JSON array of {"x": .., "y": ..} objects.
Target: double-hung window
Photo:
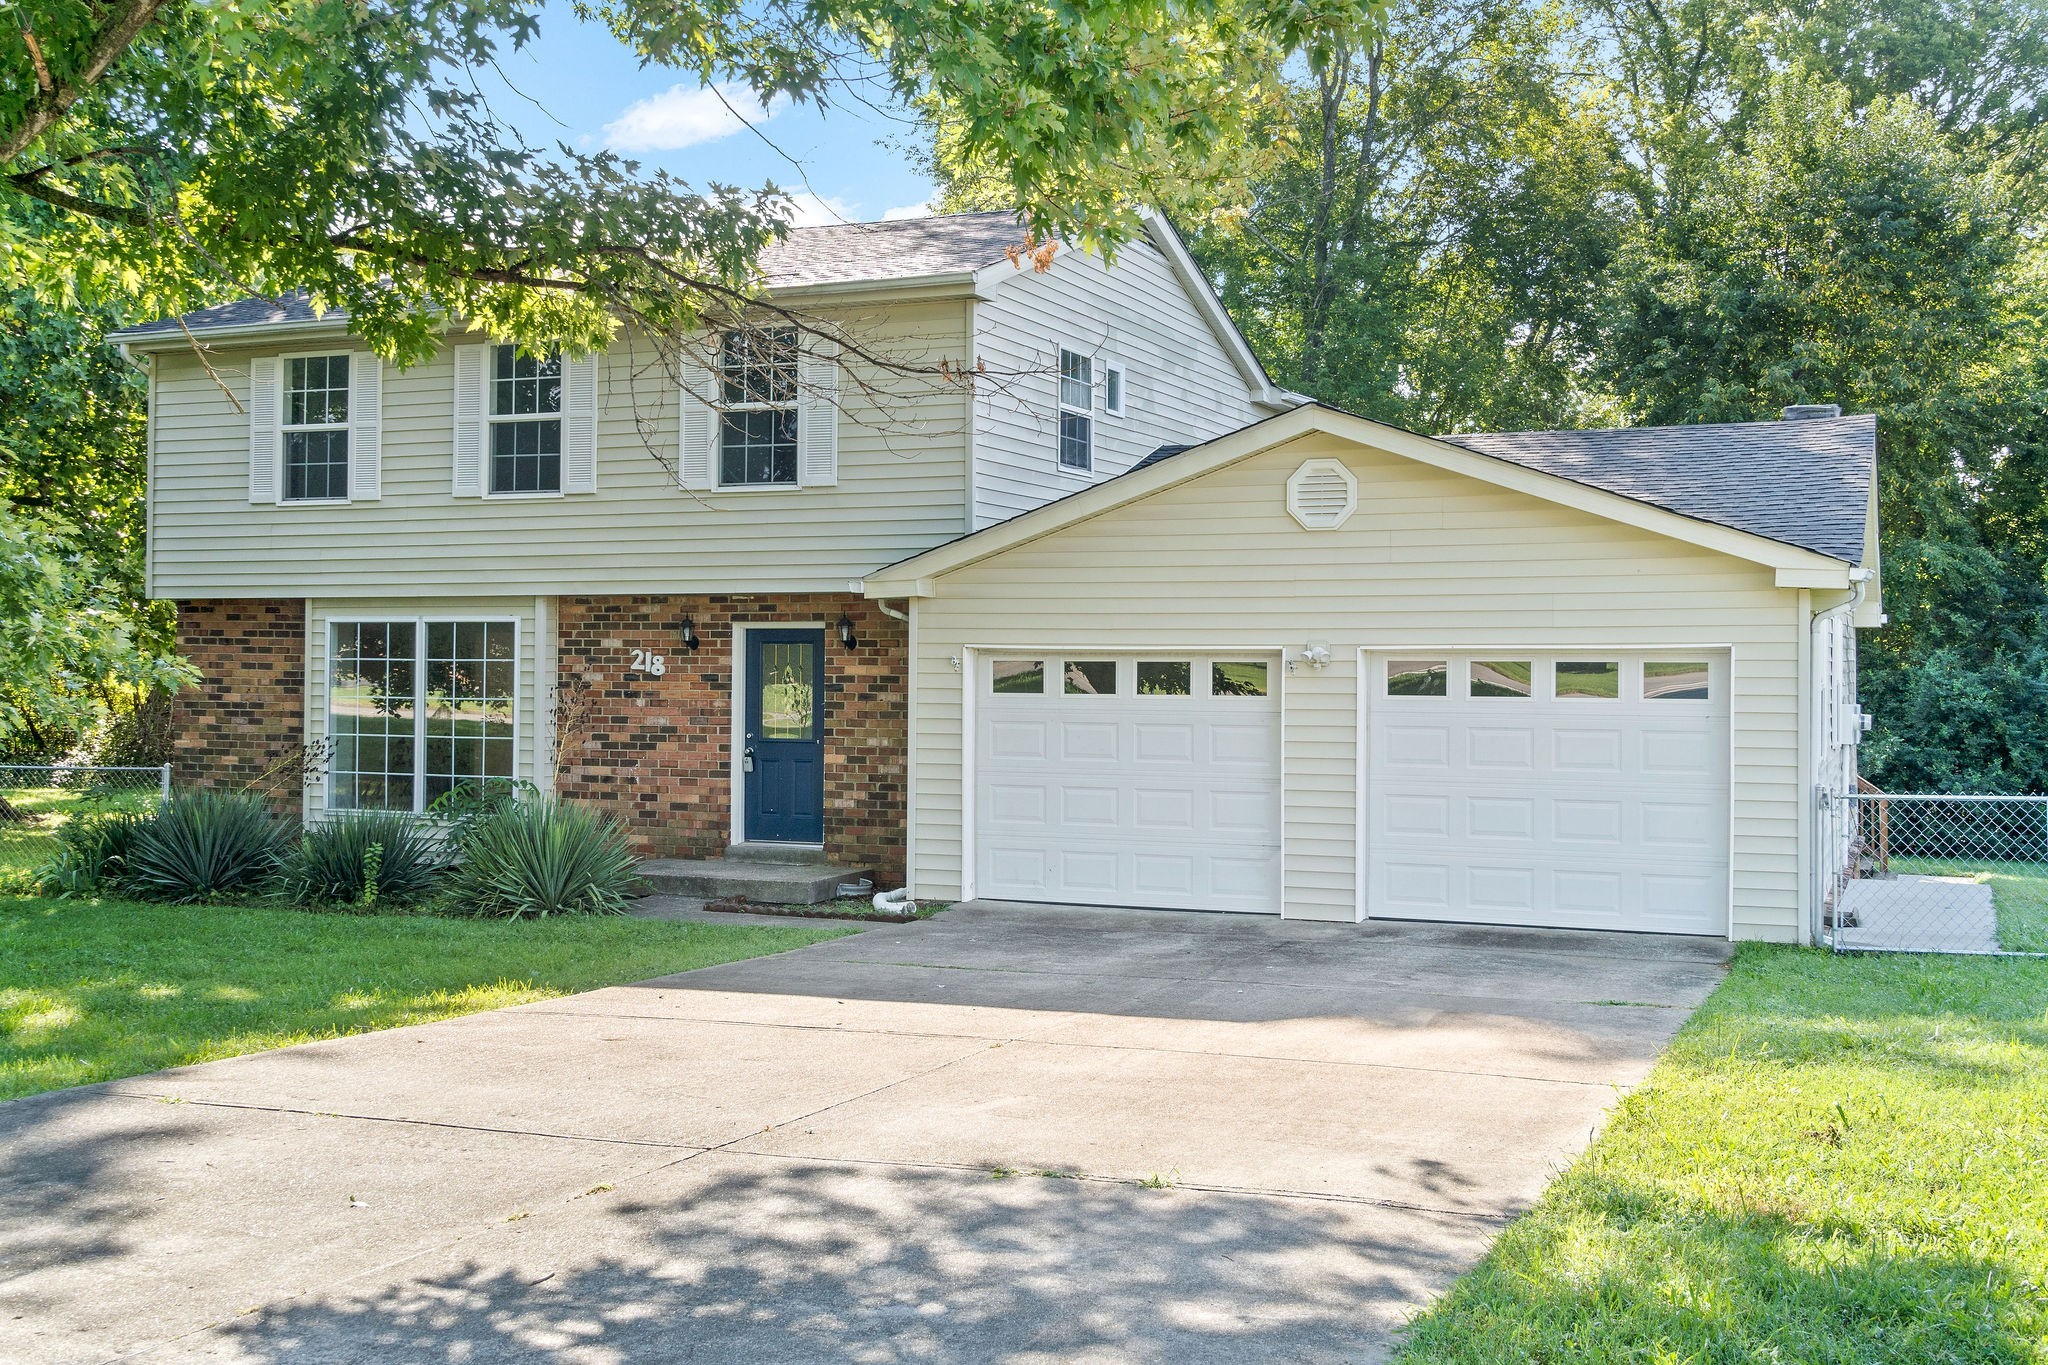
[
  {"x": 417, "y": 708},
  {"x": 1077, "y": 410},
  {"x": 316, "y": 428},
  {"x": 757, "y": 426},
  {"x": 525, "y": 422}
]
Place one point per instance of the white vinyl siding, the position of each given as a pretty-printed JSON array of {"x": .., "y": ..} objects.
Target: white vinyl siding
[
  {"x": 1430, "y": 558},
  {"x": 899, "y": 468},
  {"x": 321, "y": 616},
  {"x": 1179, "y": 386}
]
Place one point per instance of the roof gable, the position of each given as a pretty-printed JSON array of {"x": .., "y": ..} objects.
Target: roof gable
[{"x": 1797, "y": 565}]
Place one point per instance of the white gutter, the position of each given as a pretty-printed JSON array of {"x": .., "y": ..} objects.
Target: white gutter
[{"x": 1859, "y": 588}]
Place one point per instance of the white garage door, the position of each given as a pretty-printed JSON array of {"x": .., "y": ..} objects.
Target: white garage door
[
  {"x": 1586, "y": 790},
  {"x": 1107, "y": 780}
]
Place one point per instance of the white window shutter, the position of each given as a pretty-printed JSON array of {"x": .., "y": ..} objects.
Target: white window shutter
[
  {"x": 698, "y": 427},
  {"x": 579, "y": 424},
  {"x": 471, "y": 374},
  {"x": 817, "y": 417},
  {"x": 266, "y": 443},
  {"x": 365, "y": 428}
]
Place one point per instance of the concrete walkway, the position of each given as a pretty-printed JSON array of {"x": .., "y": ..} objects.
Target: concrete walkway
[
  {"x": 924, "y": 1142},
  {"x": 1915, "y": 914}
]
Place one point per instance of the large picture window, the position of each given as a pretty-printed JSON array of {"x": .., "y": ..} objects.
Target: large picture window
[
  {"x": 758, "y": 407},
  {"x": 526, "y": 422},
  {"x": 316, "y": 428},
  {"x": 418, "y": 708}
]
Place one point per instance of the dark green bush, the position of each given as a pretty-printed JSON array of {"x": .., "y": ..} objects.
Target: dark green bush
[
  {"x": 92, "y": 848},
  {"x": 539, "y": 858},
  {"x": 203, "y": 845},
  {"x": 365, "y": 859}
]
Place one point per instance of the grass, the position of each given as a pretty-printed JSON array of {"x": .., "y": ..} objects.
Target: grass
[
  {"x": 26, "y": 847},
  {"x": 94, "y": 990},
  {"x": 1840, "y": 1159}
]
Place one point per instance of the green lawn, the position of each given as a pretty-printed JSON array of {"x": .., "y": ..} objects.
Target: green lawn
[
  {"x": 1841, "y": 1159},
  {"x": 24, "y": 848},
  {"x": 92, "y": 990}
]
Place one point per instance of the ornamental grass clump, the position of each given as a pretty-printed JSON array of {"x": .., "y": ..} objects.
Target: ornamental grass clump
[
  {"x": 202, "y": 846},
  {"x": 92, "y": 850},
  {"x": 365, "y": 860},
  {"x": 537, "y": 858}
]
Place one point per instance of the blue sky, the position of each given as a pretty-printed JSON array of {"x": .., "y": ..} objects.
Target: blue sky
[{"x": 579, "y": 85}]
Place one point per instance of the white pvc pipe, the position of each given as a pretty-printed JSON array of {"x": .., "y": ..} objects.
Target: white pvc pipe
[{"x": 895, "y": 902}]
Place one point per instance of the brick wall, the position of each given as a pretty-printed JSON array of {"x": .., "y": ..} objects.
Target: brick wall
[
  {"x": 247, "y": 712},
  {"x": 657, "y": 752}
]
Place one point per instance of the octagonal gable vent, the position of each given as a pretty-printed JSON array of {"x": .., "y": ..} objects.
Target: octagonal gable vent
[{"x": 1322, "y": 494}]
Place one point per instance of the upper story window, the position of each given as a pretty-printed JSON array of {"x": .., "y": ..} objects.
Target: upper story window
[
  {"x": 316, "y": 428},
  {"x": 1077, "y": 410},
  {"x": 757, "y": 432},
  {"x": 526, "y": 422},
  {"x": 1113, "y": 388}
]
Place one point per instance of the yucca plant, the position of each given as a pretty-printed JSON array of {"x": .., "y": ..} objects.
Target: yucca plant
[
  {"x": 91, "y": 849},
  {"x": 365, "y": 859},
  {"x": 543, "y": 858},
  {"x": 203, "y": 845}
]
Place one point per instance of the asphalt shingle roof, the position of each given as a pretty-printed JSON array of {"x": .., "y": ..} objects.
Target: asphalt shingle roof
[
  {"x": 1804, "y": 482},
  {"x": 839, "y": 253}
]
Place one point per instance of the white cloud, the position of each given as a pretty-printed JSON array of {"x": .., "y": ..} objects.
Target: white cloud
[
  {"x": 683, "y": 116},
  {"x": 908, "y": 211},
  {"x": 815, "y": 210}
]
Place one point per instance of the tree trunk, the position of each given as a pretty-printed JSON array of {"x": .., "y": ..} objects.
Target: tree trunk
[{"x": 13, "y": 815}]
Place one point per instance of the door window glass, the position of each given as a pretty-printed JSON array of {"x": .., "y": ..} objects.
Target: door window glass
[
  {"x": 1501, "y": 677},
  {"x": 1165, "y": 678},
  {"x": 1091, "y": 677},
  {"x": 1589, "y": 678},
  {"x": 1017, "y": 675},
  {"x": 1418, "y": 677},
  {"x": 1675, "y": 681},
  {"x": 789, "y": 704},
  {"x": 1237, "y": 679}
]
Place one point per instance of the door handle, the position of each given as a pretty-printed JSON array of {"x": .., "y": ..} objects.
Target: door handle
[{"x": 747, "y": 759}]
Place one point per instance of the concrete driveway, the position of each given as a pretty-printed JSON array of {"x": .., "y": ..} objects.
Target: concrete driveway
[{"x": 1009, "y": 1133}]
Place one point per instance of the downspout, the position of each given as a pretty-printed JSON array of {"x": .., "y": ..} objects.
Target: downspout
[{"x": 1859, "y": 588}]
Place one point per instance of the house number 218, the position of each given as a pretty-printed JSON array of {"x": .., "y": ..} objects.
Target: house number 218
[{"x": 653, "y": 665}]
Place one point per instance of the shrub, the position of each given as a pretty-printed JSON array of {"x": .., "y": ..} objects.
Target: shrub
[
  {"x": 203, "y": 845},
  {"x": 364, "y": 859},
  {"x": 92, "y": 849},
  {"x": 543, "y": 858}
]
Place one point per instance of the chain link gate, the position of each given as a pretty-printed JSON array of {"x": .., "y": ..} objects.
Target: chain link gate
[
  {"x": 36, "y": 799},
  {"x": 1912, "y": 873}
]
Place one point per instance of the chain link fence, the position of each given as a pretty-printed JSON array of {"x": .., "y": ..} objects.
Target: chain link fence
[
  {"x": 1934, "y": 874},
  {"x": 37, "y": 799}
]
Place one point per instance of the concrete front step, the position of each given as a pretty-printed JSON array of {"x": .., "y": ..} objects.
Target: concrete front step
[{"x": 776, "y": 883}]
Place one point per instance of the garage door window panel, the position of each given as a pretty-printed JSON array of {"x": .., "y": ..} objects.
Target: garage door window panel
[
  {"x": 1681, "y": 680},
  {"x": 1596, "y": 679},
  {"x": 1091, "y": 677},
  {"x": 1238, "y": 679},
  {"x": 1166, "y": 678},
  {"x": 1023, "y": 676},
  {"x": 1502, "y": 677},
  {"x": 1418, "y": 677}
]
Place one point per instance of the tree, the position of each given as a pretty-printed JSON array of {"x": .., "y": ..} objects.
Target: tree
[
  {"x": 68, "y": 636},
  {"x": 171, "y": 152}
]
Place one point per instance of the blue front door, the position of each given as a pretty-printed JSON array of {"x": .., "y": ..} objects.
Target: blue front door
[{"x": 784, "y": 759}]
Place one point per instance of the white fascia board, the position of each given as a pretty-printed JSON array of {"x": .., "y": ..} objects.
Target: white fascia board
[
  {"x": 283, "y": 332},
  {"x": 1264, "y": 392},
  {"x": 1791, "y": 562}
]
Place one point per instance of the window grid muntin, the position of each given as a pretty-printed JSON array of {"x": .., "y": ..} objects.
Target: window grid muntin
[
  {"x": 457, "y": 698},
  {"x": 374, "y": 761},
  {"x": 315, "y": 429},
  {"x": 757, "y": 429},
  {"x": 525, "y": 421}
]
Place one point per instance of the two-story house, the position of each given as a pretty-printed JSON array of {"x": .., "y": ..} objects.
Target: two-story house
[
  {"x": 632, "y": 585},
  {"x": 1023, "y": 584}
]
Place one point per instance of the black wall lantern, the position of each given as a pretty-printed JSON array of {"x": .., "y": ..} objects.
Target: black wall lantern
[
  {"x": 689, "y": 633},
  {"x": 846, "y": 633}
]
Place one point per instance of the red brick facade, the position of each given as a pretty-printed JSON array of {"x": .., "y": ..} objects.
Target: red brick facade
[
  {"x": 657, "y": 752},
  {"x": 246, "y": 716}
]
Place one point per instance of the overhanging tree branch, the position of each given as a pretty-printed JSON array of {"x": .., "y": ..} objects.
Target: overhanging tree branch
[{"x": 50, "y": 101}]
